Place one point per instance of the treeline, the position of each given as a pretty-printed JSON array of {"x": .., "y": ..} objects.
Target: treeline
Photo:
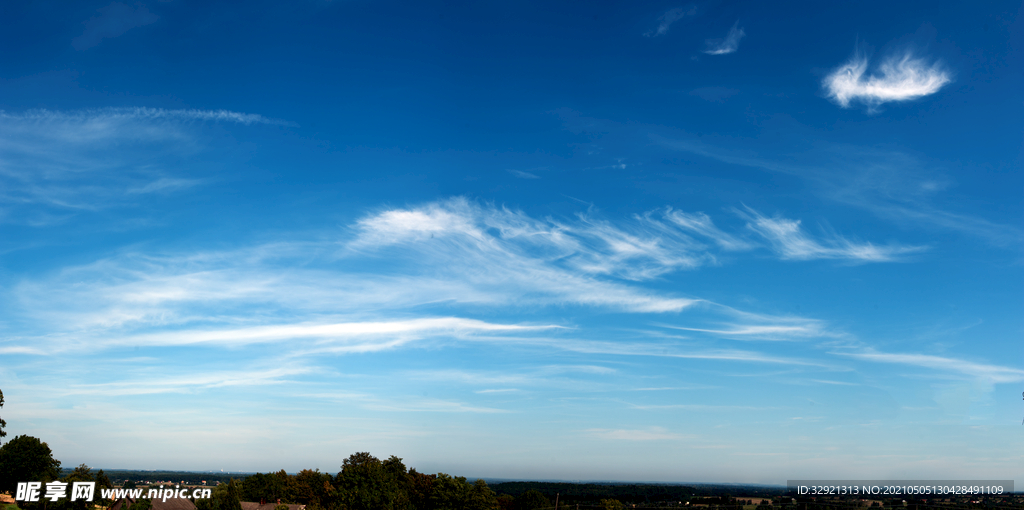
[
  {"x": 638, "y": 494},
  {"x": 119, "y": 476},
  {"x": 367, "y": 483}
]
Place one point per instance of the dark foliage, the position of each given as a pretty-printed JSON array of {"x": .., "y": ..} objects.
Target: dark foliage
[{"x": 26, "y": 459}]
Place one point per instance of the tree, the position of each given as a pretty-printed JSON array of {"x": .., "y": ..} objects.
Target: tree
[
  {"x": 102, "y": 482},
  {"x": 26, "y": 459},
  {"x": 481, "y": 497},
  {"x": 366, "y": 483},
  {"x": 419, "y": 486},
  {"x": 224, "y": 497},
  {"x": 612, "y": 504},
  {"x": 530, "y": 500},
  {"x": 311, "y": 488},
  {"x": 82, "y": 473},
  {"x": 448, "y": 492},
  {"x": 230, "y": 500},
  {"x": 506, "y": 502},
  {"x": 265, "y": 488},
  {"x": 2, "y": 422}
]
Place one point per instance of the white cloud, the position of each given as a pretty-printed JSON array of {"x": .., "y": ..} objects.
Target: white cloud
[
  {"x": 988, "y": 373},
  {"x": 668, "y": 18},
  {"x": 494, "y": 247},
  {"x": 701, "y": 224},
  {"x": 729, "y": 44},
  {"x": 346, "y": 336},
  {"x": 791, "y": 242},
  {"x": 762, "y": 331},
  {"x": 898, "y": 78}
]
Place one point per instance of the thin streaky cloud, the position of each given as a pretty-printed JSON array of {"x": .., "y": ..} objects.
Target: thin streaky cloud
[
  {"x": 727, "y": 45},
  {"x": 773, "y": 331},
  {"x": 866, "y": 181},
  {"x": 523, "y": 175},
  {"x": 668, "y": 18},
  {"x": 649, "y": 434},
  {"x": 108, "y": 158},
  {"x": 701, "y": 224},
  {"x": 434, "y": 406},
  {"x": 897, "y": 78},
  {"x": 190, "y": 383},
  {"x": 790, "y": 242},
  {"x": 988, "y": 373},
  {"x": 338, "y": 338},
  {"x": 110, "y": 117},
  {"x": 163, "y": 185},
  {"x": 661, "y": 350}
]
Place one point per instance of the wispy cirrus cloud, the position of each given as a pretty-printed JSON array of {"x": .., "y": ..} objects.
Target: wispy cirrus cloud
[
  {"x": 701, "y": 224},
  {"x": 729, "y": 44},
  {"x": 898, "y": 78},
  {"x": 962, "y": 367},
  {"x": 890, "y": 184},
  {"x": 451, "y": 253},
  {"x": 523, "y": 175},
  {"x": 668, "y": 18},
  {"x": 569, "y": 257},
  {"x": 648, "y": 434},
  {"x": 108, "y": 158},
  {"x": 191, "y": 382},
  {"x": 790, "y": 241},
  {"x": 119, "y": 123}
]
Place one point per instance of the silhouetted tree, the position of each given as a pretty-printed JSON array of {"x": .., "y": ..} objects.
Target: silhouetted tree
[
  {"x": 2, "y": 422},
  {"x": 418, "y": 487},
  {"x": 481, "y": 497},
  {"x": 366, "y": 483},
  {"x": 311, "y": 488},
  {"x": 231, "y": 500},
  {"x": 530, "y": 500},
  {"x": 263, "y": 487},
  {"x": 102, "y": 482},
  {"x": 26, "y": 459}
]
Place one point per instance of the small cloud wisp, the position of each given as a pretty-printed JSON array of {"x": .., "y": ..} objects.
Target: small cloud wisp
[
  {"x": 900, "y": 78},
  {"x": 729, "y": 44},
  {"x": 666, "y": 20}
]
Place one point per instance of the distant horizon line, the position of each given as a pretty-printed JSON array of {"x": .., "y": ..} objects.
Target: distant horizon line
[{"x": 484, "y": 478}]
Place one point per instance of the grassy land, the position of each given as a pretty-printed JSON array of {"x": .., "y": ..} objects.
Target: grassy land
[{"x": 6, "y": 506}]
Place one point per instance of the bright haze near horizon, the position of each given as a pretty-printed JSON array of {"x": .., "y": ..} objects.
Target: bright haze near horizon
[{"x": 706, "y": 242}]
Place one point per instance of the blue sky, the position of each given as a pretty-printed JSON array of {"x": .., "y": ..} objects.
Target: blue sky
[{"x": 722, "y": 242}]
